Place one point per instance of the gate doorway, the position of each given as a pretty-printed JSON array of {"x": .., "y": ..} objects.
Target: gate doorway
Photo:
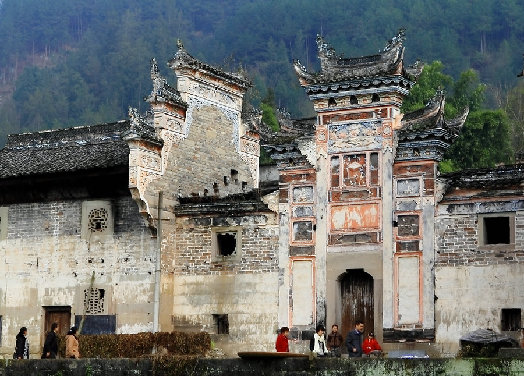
[
  {"x": 356, "y": 287},
  {"x": 60, "y": 315}
]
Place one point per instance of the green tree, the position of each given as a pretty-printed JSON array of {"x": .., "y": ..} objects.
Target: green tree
[
  {"x": 514, "y": 107},
  {"x": 430, "y": 80},
  {"x": 484, "y": 141},
  {"x": 269, "y": 115}
]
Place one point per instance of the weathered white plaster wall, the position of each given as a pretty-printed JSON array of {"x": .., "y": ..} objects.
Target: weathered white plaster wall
[
  {"x": 471, "y": 297},
  {"x": 249, "y": 300},
  {"x": 45, "y": 262}
]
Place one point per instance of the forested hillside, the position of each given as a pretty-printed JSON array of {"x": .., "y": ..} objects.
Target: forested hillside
[{"x": 73, "y": 62}]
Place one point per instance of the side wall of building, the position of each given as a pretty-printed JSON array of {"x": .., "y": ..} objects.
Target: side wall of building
[
  {"x": 474, "y": 281},
  {"x": 241, "y": 289},
  {"x": 49, "y": 258}
]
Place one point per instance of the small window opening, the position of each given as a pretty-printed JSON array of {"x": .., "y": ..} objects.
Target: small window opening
[
  {"x": 215, "y": 188},
  {"x": 332, "y": 102},
  {"x": 244, "y": 186},
  {"x": 510, "y": 319},
  {"x": 353, "y": 100},
  {"x": 234, "y": 176},
  {"x": 496, "y": 230},
  {"x": 375, "y": 98},
  {"x": 226, "y": 180},
  {"x": 226, "y": 242},
  {"x": 221, "y": 324},
  {"x": 206, "y": 192}
]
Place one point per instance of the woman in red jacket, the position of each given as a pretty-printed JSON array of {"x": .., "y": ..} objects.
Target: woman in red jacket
[
  {"x": 371, "y": 345},
  {"x": 282, "y": 344}
]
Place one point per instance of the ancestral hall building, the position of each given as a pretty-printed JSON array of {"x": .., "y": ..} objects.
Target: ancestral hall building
[{"x": 165, "y": 221}]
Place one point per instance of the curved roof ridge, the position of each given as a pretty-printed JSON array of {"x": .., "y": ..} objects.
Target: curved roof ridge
[{"x": 183, "y": 59}]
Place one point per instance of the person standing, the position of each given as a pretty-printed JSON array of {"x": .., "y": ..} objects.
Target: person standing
[
  {"x": 22, "y": 345},
  {"x": 72, "y": 348},
  {"x": 318, "y": 344},
  {"x": 334, "y": 341},
  {"x": 354, "y": 340},
  {"x": 51, "y": 343},
  {"x": 282, "y": 344}
]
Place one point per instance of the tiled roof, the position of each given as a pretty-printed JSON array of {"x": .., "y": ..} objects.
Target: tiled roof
[
  {"x": 385, "y": 68},
  {"x": 502, "y": 176},
  {"x": 65, "y": 150}
]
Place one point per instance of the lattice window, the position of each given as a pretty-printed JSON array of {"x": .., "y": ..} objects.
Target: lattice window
[
  {"x": 94, "y": 301},
  {"x": 97, "y": 220}
]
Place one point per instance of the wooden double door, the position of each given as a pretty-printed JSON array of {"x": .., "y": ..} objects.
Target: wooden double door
[
  {"x": 59, "y": 314},
  {"x": 356, "y": 287}
]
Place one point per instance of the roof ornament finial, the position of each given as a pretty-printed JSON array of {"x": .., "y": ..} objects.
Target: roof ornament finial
[
  {"x": 398, "y": 39},
  {"x": 179, "y": 44},
  {"x": 134, "y": 117},
  {"x": 324, "y": 49},
  {"x": 158, "y": 80},
  {"x": 154, "y": 68}
]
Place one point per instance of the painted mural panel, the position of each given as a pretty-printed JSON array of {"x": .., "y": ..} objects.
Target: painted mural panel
[
  {"x": 354, "y": 170},
  {"x": 302, "y": 231},
  {"x": 302, "y": 296},
  {"x": 302, "y": 194},
  {"x": 355, "y": 217},
  {"x": 408, "y": 290},
  {"x": 363, "y": 135},
  {"x": 408, "y": 187}
]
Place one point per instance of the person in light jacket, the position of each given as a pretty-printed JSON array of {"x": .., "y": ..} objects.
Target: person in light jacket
[
  {"x": 318, "y": 344},
  {"x": 72, "y": 347}
]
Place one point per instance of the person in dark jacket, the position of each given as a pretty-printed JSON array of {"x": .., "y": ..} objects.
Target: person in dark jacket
[
  {"x": 51, "y": 343},
  {"x": 22, "y": 345},
  {"x": 354, "y": 340},
  {"x": 334, "y": 341}
]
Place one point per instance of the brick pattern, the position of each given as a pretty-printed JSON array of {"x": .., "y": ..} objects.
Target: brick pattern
[
  {"x": 457, "y": 243},
  {"x": 194, "y": 253},
  {"x": 42, "y": 231}
]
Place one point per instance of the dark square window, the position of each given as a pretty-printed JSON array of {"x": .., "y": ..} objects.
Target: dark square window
[
  {"x": 221, "y": 324},
  {"x": 226, "y": 243},
  {"x": 496, "y": 230},
  {"x": 510, "y": 319}
]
